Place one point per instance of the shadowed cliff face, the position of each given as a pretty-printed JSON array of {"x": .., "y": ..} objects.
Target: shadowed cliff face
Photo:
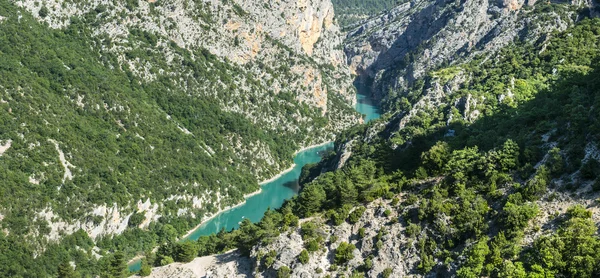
[{"x": 396, "y": 48}]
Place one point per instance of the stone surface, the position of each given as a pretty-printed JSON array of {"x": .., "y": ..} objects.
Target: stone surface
[
  {"x": 290, "y": 47},
  {"x": 394, "y": 49}
]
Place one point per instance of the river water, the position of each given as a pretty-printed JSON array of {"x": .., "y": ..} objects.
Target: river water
[{"x": 273, "y": 193}]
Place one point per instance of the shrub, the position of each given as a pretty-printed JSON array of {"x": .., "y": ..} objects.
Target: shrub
[
  {"x": 136, "y": 219},
  {"x": 270, "y": 258},
  {"x": 596, "y": 185},
  {"x": 413, "y": 230},
  {"x": 387, "y": 213},
  {"x": 308, "y": 230},
  {"x": 146, "y": 270},
  {"x": 590, "y": 169},
  {"x": 387, "y": 272},
  {"x": 344, "y": 253},
  {"x": 368, "y": 263},
  {"x": 43, "y": 12},
  {"x": 361, "y": 232},
  {"x": 284, "y": 272},
  {"x": 356, "y": 214},
  {"x": 313, "y": 245},
  {"x": 303, "y": 257}
]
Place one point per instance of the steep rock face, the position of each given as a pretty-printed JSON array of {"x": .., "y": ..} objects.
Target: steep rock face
[
  {"x": 395, "y": 49},
  {"x": 239, "y": 31},
  {"x": 277, "y": 64}
]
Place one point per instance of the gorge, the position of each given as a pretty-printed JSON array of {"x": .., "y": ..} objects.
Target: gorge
[
  {"x": 274, "y": 192},
  {"x": 133, "y": 129}
]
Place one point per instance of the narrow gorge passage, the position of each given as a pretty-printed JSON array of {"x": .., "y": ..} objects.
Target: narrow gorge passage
[{"x": 274, "y": 193}]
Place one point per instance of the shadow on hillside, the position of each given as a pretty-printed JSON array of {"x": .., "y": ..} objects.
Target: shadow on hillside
[
  {"x": 420, "y": 30},
  {"x": 564, "y": 114}
]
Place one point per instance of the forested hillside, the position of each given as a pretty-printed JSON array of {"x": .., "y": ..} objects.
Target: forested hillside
[
  {"x": 125, "y": 124},
  {"x": 349, "y": 12},
  {"x": 510, "y": 191},
  {"x": 116, "y": 136}
]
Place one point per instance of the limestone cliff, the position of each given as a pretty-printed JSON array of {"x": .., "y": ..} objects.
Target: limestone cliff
[
  {"x": 441, "y": 46},
  {"x": 398, "y": 47},
  {"x": 278, "y": 64}
]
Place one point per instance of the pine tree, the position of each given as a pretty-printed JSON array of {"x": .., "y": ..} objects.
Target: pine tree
[
  {"x": 185, "y": 252},
  {"x": 146, "y": 269},
  {"x": 117, "y": 268},
  {"x": 65, "y": 270}
]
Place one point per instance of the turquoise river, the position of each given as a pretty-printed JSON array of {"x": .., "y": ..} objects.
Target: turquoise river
[{"x": 273, "y": 193}]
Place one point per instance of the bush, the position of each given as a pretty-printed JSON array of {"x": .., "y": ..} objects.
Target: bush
[
  {"x": 556, "y": 162},
  {"x": 313, "y": 245},
  {"x": 43, "y": 12},
  {"x": 309, "y": 230},
  {"x": 387, "y": 213},
  {"x": 379, "y": 244},
  {"x": 413, "y": 230},
  {"x": 516, "y": 216},
  {"x": 284, "y": 272},
  {"x": 165, "y": 260},
  {"x": 146, "y": 270},
  {"x": 590, "y": 169},
  {"x": 136, "y": 219},
  {"x": 368, "y": 263},
  {"x": 356, "y": 214},
  {"x": 386, "y": 272},
  {"x": 344, "y": 253},
  {"x": 303, "y": 257},
  {"x": 596, "y": 185},
  {"x": 270, "y": 258},
  {"x": 186, "y": 251},
  {"x": 361, "y": 232}
]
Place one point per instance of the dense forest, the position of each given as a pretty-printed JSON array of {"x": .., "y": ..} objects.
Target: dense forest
[
  {"x": 466, "y": 197},
  {"x": 464, "y": 179},
  {"x": 85, "y": 133}
]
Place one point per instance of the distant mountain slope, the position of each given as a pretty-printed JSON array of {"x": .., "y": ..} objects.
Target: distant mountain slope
[{"x": 394, "y": 49}]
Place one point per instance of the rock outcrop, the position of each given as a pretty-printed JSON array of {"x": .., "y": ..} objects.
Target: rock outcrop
[
  {"x": 396, "y": 251},
  {"x": 400, "y": 46}
]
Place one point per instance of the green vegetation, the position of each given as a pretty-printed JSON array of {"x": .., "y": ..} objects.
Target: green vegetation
[
  {"x": 65, "y": 270},
  {"x": 116, "y": 267},
  {"x": 145, "y": 269},
  {"x": 467, "y": 198},
  {"x": 303, "y": 257},
  {"x": 482, "y": 181},
  {"x": 349, "y": 12},
  {"x": 129, "y": 138},
  {"x": 344, "y": 253},
  {"x": 356, "y": 214},
  {"x": 387, "y": 273},
  {"x": 284, "y": 272}
]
